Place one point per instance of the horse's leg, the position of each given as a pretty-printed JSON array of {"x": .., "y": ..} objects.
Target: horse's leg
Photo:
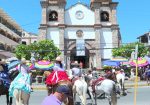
[
  {"x": 113, "y": 96},
  {"x": 7, "y": 98},
  {"x": 16, "y": 95},
  {"x": 25, "y": 98},
  {"x": 148, "y": 80},
  {"x": 91, "y": 93},
  {"x": 84, "y": 93},
  {"x": 10, "y": 103},
  {"x": 95, "y": 98}
]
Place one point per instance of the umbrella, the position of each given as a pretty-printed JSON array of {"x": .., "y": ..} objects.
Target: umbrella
[
  {"x": 44, "y": 65},
  {"x": 111, "y": 63},
  {"x": 30, "y": 65},
  {"x": 13, "y": 64},
  {"x": 11, "y": 59},
  {"x": 140, "y": 62}
]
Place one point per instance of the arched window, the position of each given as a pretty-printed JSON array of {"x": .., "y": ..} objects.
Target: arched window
[
  {"x": 104, "y": 16},
  {"x": 53, "y": 16}
]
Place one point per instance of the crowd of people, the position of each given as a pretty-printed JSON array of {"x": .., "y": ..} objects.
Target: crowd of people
[{"x": 23, "y": 80}]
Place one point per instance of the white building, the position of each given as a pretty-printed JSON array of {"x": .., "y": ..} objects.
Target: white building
[
  {"x": 83, "y": 33},
  {"x": 28, "y": 38},
  {"x": 10, "y": 35}
]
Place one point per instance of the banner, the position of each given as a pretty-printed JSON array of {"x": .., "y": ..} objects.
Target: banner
[{"x": 80, "y": 47}]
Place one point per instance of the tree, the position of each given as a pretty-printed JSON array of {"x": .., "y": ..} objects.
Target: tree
[
  {"x": 44, "y": 49},
  {"x": 126, "y": 50}
]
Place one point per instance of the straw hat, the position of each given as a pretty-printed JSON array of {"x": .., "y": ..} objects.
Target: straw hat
[
  {"x": 23, "y": 60},
  {"x": 58, "y": 59},
  {"x": 76, "y": 63},
  {"x": 4, "y": 61}
]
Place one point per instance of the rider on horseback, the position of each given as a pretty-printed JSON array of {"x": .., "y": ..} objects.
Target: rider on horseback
[
  {"x": 58, "y": 73},
  {"x": 76, "y": 71}
]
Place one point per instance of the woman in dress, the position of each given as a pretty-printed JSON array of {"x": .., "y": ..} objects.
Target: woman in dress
[{"x": 21, "y": 84}]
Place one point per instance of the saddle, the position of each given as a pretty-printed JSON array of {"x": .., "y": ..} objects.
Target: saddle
[{"x": 96, "y": 82}]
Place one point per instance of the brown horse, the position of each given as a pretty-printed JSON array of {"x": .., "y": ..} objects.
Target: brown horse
[{"x": 52, "y": 89}]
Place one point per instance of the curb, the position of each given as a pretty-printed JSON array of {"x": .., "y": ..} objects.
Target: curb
[
  {"x": 127, "y": 86},
  {"x": 139, "y": 85}
]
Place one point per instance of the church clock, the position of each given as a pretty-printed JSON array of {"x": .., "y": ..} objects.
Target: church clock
[{"x": 79, "y": 15}]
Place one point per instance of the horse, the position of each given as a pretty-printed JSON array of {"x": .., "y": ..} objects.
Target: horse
[
  {"x": 120, "y": 82},
  {"x": 80, "y": 87},
  {"x": 4, "y": 90},
  {"x": 147, "y": 76},
  {"x": 106, "y": 86}
]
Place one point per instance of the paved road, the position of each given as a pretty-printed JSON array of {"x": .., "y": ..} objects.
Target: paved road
[{"x": 143, "y": 98}]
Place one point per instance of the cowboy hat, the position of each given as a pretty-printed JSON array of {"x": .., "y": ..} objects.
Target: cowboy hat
[
  {"x": 23, "y": 60},
  {"x": 58, "y": 59},
  {"x": 75, "y": 63}
]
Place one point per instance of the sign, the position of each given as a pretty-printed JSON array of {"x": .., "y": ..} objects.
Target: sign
[
  {"x": 80, "y": 47},
  {"x": 136, "y": 52}
]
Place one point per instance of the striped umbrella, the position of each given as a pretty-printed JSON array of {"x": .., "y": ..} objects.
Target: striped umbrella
[
  {"x": 44, "y": 65},
  {"x": 13, "y": 64},
  {"x": 30, "y": 65},
  {"x": 140, "y": 62}
]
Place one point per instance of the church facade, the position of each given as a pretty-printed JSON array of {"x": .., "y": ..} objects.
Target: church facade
[{"x": 83, "y": 33}]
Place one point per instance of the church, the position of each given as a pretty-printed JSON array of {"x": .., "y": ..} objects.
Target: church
[{"x": 83, "y": 33}]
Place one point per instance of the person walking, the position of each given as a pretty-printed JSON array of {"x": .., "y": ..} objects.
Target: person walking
[{"x": 59, "y": 96}]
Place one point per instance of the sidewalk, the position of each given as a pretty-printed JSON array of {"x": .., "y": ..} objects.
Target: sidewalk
[
  {"x": 127, "y": 84},
  {"x": 132, "y": 83}
]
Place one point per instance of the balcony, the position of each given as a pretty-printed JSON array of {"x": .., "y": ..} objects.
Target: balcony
[{"x": 3, "y": 27}]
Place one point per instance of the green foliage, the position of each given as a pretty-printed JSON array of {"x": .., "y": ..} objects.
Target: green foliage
[
  {"x": 22, "y": 51},
  {"x": 44, "y": 49},
  {"x": 126, "y": 50}
]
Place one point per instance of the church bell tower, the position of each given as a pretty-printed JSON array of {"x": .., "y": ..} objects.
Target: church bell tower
[
  {"x": 52, "y": 15},
  {"x": 105, "y": 21},
  {"x": 52, "y": 26}
]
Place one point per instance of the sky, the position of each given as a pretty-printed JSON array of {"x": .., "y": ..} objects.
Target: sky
[{"x": 133, "y": 16}]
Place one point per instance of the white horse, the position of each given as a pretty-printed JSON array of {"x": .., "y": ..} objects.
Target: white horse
[
  {"x": 108, "y": 87},
  {"x": 21, "y": 97},
  {"x": 120, "y": 82},
  {"x": 80, "y": 87}
]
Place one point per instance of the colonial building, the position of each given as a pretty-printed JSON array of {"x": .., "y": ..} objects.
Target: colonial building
[
  {"x": 83, "y": 33},
  {"x": 145, "y": 39},
  {"x": 28, "y": 38},
  {"x": 10, "y": 35}
]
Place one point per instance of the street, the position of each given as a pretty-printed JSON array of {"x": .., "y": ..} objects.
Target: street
[{"x": 143, "y": 94}]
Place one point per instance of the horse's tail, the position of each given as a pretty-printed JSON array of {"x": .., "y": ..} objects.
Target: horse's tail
[{"x": 114, "y": 96}]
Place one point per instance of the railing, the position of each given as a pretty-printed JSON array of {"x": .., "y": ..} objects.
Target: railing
[{"x": 16, "y": 34}]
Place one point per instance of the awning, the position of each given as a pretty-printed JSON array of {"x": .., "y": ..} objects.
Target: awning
[{"x": 111, "y": 63}]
